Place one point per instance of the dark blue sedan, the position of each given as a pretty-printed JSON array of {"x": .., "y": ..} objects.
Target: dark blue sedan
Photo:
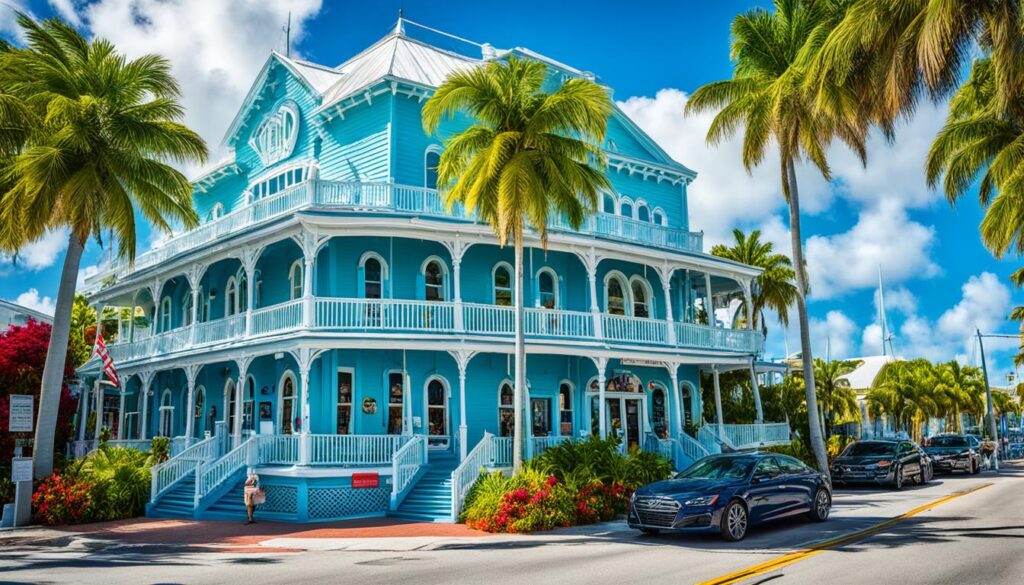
[{"x": 729, "y": 493}]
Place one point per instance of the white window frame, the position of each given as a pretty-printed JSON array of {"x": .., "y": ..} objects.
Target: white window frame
[
  {"x": 571, "y": 409},
  {"x": 627, "y": 297},
  {"x": 230, "y": 297},
  {"x": 512, "y": 407},
  {"x": 367, "y": 256},
  {"x": 295, "y": 280},
  {"x": 432, "y": 149},
  {"x": 216, "y": 212},
  {"x": 554, "y": 283},
  {"x": 648, "y": 291},
  {"x": 659, "y": 212},
  {"x": 165, "y": 314},
  {"x": 166, "y": 410},
  {"x": 445, "y": 296},
  {"x": 229, "y": 401},
  {"x": 614, "y": 200},
  {"x": 186, "y": 309},
  {"x": 242, "y": 300},
  {"x": 446, "y": 406},
  {"x": 287, "y": 375},
  {"x": 351, "y": 405},
  {"x": 511, "y": 283},
  {"x": 624, "y": 200},
  {"x": 275, "y": 137},
  {"x": 640, "y": 203}
]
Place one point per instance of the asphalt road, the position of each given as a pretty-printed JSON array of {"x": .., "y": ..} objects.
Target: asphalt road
[{"x": 974, "y": 538}]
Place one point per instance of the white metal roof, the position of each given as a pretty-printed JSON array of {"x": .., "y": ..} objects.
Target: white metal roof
[
  {"x": 863, "y": 377},
  {"x": 400, "y": 57},
  {"x": 319, "y": 77}
]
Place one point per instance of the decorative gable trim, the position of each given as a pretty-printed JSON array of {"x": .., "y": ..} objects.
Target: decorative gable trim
[{"x": 274, "y": 138}]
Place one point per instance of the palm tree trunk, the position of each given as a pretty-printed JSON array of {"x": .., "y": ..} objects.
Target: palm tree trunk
[
  {"x": 56, "y": 356},
  {"x": 817, "y": 443},
  {"x": 520, "y": 365}
]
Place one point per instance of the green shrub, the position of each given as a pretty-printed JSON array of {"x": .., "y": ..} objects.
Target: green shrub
[
  {"x": 119, "y": 480},
  {"x": 159, "y": 449},
  {"x": 484, "y": 497}
]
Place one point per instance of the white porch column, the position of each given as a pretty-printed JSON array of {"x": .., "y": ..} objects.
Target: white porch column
[
  {"x": 709, "y": 303},
  {"x": 602, "y": 424},
  {"x": 191, "y": 372},
  {"x": 305, "y": 357},
  {"x": 748, "y": 303},
  {"x": 97, "y": 408},
  {"x": 665, "y": 273},
  {"x": 757, "y": 393},
  {"x": 83, "y": 396},
  {"x": 147, "y": 379},
  {"x": 195, "y": 276},
  {"x": 309, "y": 243},
  {"x": 673, "y": 374},
  {"x": 590, "y": 261},
  {"x": 243, "y": 367},
  {"x": 249, "y": 257},
  {"x": 457, "y": 249},
  {"x": 131, "y": 317},
  {"x": 462, "y": 358},
  {"x": 120, "y": 412},
  {"x": 718, "y": 400}
]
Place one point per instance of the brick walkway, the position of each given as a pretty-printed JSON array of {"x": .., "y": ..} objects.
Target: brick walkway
[{"x": 236, "y": 536}]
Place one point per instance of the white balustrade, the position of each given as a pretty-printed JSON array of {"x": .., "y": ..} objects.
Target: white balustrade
[
  {"x": 168, "y": 473},
  {"x": 278, "y": 449},
  {"x": 688, "y": 450},
  {"x": 214, "y": 474},
  {"x": 744, "y": 436},
  {"x": 559, "y": 323},
  {"x": 405, "y": 464},
  {"x": 488, "y": 319},
  {"x": 275, "y": 318},
  {"x": 384, "y": 314},
  {"x": 542, "y": 444},
  {"x": 634, "y": 329},
  {"x": 711, "y": 442},
  {"x": 219, "y": 330},
  {"x": 499, "y": 453},
  {"x": 355, "y": 449},
  {"x": 466, "y": 474}
]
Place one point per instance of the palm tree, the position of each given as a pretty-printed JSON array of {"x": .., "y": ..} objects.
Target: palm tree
[
  {"x": 528, "y": 157},
  {"x": 959, "y": 389},
  {"x": 97, "y": 134},
  {"x": 835, "y": 397},
  {"x": 904, "y": 390},
  {"x": 766, "y": 98},
  {"x": 775, "y": 289}
]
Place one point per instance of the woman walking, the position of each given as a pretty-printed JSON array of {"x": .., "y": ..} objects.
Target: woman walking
[{"x": 253, "y": 495}]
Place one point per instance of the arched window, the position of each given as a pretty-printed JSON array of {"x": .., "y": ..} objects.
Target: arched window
[
  {"x": 642, "y": 212},
  {"x": 249, "y": 405},
  {"x": 166, "y": 414},
  {"x": 506, "y": 410},
  {"x": 641, "y": 298},
  {"x": 659, "y": 411},
  {"x": 608, "y": 203},
  {"x": 626, "y": 207},
  {"x": 502, "y": 280},
  {"x": 437, "y": 411},
  {"x": 203, "y": 314},
  {"x": 431, "y": 160},
  {"x": 565, "y": 409},
  {"x": 433, "y": 280},
  {"x": 288, "y": 401},
  {"x": 615, "y": 295},
  {"x": 216, "y": 213},
  {"x": 396, "y": 402},
  {"x": 547, "y": 288},
  {"x": 275, "y": 137},
  {"x": 295, "y": 280},
  {"x": 659, "y": 217},
  {"x": 198, "y": 411},
  {"x": 242, "y": 302},
  {"x": 374, "y": 275},
  {"x": 186, "y": 309},
  {"x": 165, "y": 314},
  {"x": 230, "y": 297},
  {"x": 232, "y": 404}
]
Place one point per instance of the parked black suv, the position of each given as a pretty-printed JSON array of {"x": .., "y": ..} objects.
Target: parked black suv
[{"x": 951, "y": 453}]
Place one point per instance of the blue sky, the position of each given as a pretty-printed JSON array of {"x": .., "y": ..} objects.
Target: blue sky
[{"x": 940, "y": 281}]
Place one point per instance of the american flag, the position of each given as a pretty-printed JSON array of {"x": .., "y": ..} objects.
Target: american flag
[{"x": 108, "y": 363}]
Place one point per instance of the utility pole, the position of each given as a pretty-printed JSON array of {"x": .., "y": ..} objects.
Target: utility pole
[
  {"x": 992, "y": 431},
  {"x": 288, "y": 36}
]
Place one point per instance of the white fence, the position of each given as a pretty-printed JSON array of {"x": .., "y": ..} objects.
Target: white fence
[
  {"x": 355, "y": 449},
  {"x": 405, "y": 464}
]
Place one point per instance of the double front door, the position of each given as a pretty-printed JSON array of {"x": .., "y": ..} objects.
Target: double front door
[{"x": 624, "y": 418}]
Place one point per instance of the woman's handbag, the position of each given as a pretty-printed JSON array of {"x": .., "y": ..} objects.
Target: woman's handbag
[{"x": 260, "y": 497}]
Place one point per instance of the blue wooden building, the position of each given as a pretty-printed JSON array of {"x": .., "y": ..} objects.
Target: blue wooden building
[{"x": 331, "y": 325}]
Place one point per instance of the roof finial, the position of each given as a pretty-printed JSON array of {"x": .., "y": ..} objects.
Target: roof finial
[{"x": 400, "y": 25}]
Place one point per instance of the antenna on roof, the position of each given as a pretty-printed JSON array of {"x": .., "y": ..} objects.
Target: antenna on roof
[
  {"x": 886, "y": 334},
  {"x": 288, "y": 36}
]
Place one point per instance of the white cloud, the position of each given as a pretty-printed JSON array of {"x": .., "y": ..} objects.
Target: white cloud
[
  {"x": 32, "y": 300},
  {"x": 8, "y": 21},
  {"x": 723, "y": 196},
  {"x": 39, "y": 254},
  {"x": 215, "y": 48},
  {"x": 832, "y": 336},
  {"x": 898, "y": 299},
  {"x": 67, "y": 10},
  {"x": 884, "y": 236}
]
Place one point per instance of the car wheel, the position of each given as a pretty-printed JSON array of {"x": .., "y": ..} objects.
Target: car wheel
[
  {"x": 897, "y": 478},
  {"x": 734, "y": 521},
  {"x": 821, "y": 506},
  {"x": 929, "y": 474},
  {"x": 650, "y": 531},
  {"x": 975, "y": 468}
]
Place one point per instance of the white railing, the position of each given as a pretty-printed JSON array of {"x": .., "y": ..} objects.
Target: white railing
[
  {"x": 542, "y": 444},
  {"x": 688, "y": 450},
  {"x": 405, "y": 464},
  {"x": 209, "y": 476},
  {"x": 355, "y": 449},
  {"x": 499, "y": 452},
  {"x": 655, "y": 444},
  {"x": 711, "y": 442},
  {"x": 488, "y": 319},
  {"x": 388, "y": 197},
  {"x": 175, "y": 446},
  {"x": 220, "y": 329},
  {"x": 168, "y": 473},
  {"x": 278, "y": 449},
  {"x": 559, "y": 323},
  {"x": 754, "y": 435},
  {"x": 385, "y": 314},
  {"x": 634, "y": 329},
  {"x": 466, "y": 474},
  {"x": 280, "y": 317}
]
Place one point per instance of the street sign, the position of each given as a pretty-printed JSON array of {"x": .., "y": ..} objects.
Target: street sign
[
  {"x": 21, "y": 469},
  {"x": 21, "y": 413}
]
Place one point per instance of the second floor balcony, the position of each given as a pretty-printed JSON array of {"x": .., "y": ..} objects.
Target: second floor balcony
[
  {"x": 430, "y": 318},
  {"x": 387, "y": 198}
]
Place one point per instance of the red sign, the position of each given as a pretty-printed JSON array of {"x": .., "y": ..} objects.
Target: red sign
[{"x": 365, "y": 480}]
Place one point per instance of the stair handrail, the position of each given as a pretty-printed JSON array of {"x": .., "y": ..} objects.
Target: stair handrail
[
  {"x": 466, "y": 474},
  {"x": 710, "y": 440},
  {"x": 210, "y": 476},
  {"x": 687, "y": 446},
  {"x": 166, "y": 474},
  {"x": 405, "y": 464}
]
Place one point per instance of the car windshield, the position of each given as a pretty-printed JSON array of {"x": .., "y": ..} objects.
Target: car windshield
[
  {"x": 719, "y": 468},
  {"x": 869, "y": 449},
  {"x": 953, "y": 441}
]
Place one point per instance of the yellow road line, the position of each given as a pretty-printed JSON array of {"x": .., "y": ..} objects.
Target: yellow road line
[{"x": 821, "y": 547}]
